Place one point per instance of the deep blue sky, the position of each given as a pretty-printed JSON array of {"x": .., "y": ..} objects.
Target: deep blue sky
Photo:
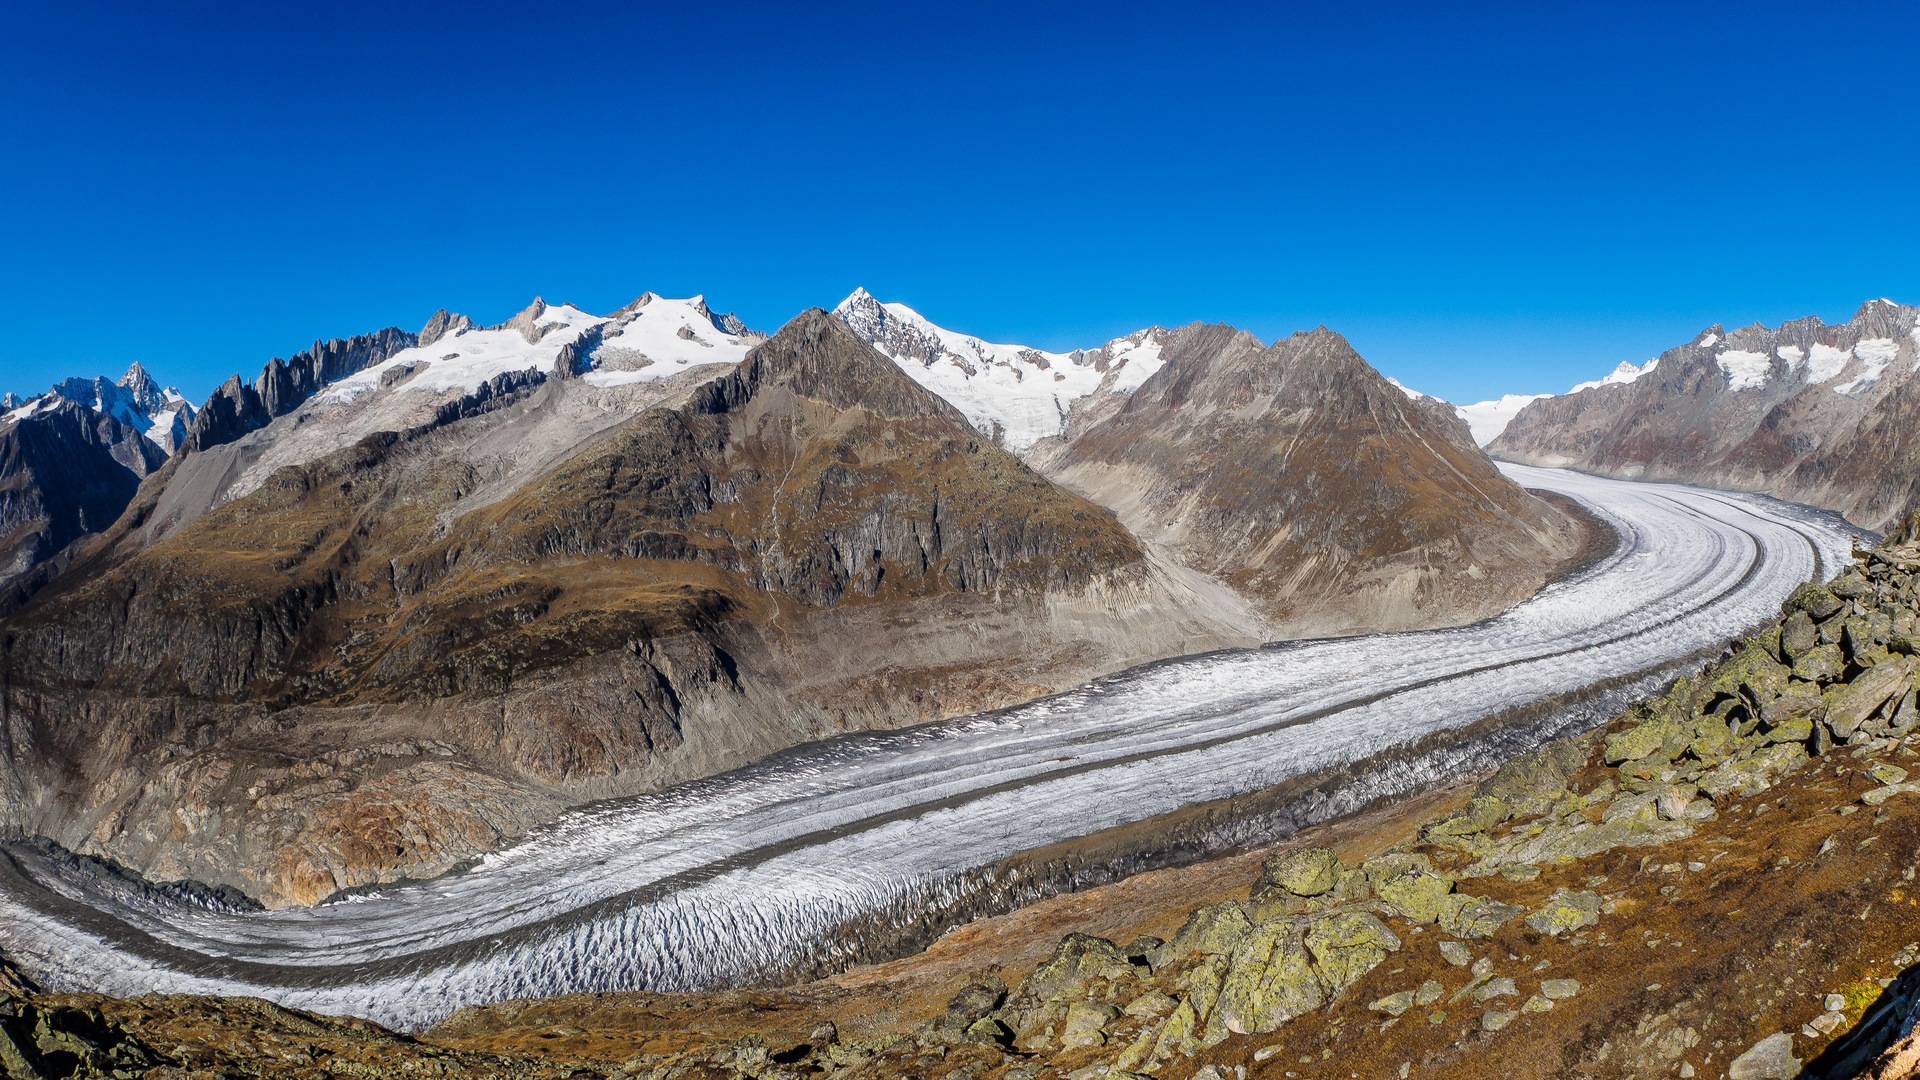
[{"x": 1507, "y": 200}]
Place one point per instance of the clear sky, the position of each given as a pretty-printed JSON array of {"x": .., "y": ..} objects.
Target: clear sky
[{"x": 1496, "y": 200}]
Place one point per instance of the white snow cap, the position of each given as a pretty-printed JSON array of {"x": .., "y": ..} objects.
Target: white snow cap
[
  {"x": 1487, "y": 419},
  {"x": 1014, "y": 394},
  {"x": 649, "y": 338},
  {"x": 161, "y": 414},
  {"x": 1409, "y": 391},
  {"x": 1625, "y": 373}
]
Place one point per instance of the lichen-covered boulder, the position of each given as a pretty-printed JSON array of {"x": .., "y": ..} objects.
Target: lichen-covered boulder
[
  {"x": 1086, "y": 1024},
  {"x": 1409, "y": 884},
  {"x": 1816, "y": 601},
  {"x": 1078, "y": 959},
  {"x": 1798, "y": 635},
  {"x": 1796, "y": 731},
  {"x": 1566, "y": 911},
  {"x": 1849, "y": 706},
  {"x": 1821, "y": 664},
  {"x": 1645, "y": 740},
  {"x": 1754, "y": 671},
  {"x": 1307, "y": 872},
  {"x": 1347, "y": 945},
  {"x": 1531, "y": 782},
  {"x": 1215, "y": 929},
  {"x": 1481, "y": 813},
  {"x": 1270, "y": 980}
]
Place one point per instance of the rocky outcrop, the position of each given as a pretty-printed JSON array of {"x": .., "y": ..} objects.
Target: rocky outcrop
[
  {"x": 361, "y": 672},
  {"x": 1807, "y": 412},
  {"x": 1303, "y": 479}
]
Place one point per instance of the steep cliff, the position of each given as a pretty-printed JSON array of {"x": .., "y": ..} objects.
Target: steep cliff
[{"x": 1808, "y": 412}]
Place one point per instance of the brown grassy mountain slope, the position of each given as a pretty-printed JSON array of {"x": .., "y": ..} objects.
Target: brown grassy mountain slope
[
  {"x": 340, "y": 679},
  {"x": 1812, "y": 413},
  {"x": 1303, "y": 479}
]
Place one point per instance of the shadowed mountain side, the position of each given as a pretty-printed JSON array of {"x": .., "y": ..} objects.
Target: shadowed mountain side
[
  {"x": 65, "y": 471},
  {"x": 341, "y": 679},
  {"x": 1303, "y": 479}
]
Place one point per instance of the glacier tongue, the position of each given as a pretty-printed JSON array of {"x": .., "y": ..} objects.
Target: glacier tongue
[{"x": 721, "y": 881}]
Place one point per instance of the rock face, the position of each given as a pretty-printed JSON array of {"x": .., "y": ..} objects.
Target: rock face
[
  {"x": 1808, "y": 412},
  {"x": 65, "y": 471},
  {"x": 282, "y": 385},
  {"x": 1303, "y": 479},
  {"x": 397, "y": 655}
]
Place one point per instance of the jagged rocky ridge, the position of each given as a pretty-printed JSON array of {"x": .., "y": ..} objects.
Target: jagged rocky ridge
[{"x": 1816, "y": 414}]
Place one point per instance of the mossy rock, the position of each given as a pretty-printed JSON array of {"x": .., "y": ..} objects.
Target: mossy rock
[
  {"x": 1798, "y": 635},
  {"x": 1816, "y": 601},
  {"x": 1409, "y": 884},
  {"x": 1644, "y": 741},
  {"x": 1465, "y": 916},
  {"x": 1078, "y": 959},
  {"x": 1566, "y": 911}
]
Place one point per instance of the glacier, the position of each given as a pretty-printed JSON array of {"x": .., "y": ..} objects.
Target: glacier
[{"x": 722, "y": 881}]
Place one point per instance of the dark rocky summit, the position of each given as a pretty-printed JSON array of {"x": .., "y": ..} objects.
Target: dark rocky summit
[
  {"x": 1825, "y": 415},
  {"x": 238, "y": 407}
]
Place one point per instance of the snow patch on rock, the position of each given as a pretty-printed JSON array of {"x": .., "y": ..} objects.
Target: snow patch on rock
[{"x": 1744, "y": 370}]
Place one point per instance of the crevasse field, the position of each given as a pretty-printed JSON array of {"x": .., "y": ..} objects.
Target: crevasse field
[{"x": 721, "y": 881}]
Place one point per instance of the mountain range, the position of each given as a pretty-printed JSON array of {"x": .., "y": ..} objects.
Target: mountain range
[
  {"x": 1807, "y": 412},
  {"x": 403, "y": 597}
]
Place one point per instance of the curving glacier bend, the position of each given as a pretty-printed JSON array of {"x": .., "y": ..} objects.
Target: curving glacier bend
[{"x": 720, "y": 881}]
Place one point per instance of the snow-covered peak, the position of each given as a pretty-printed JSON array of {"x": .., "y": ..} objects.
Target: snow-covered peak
[
  {"x": 1410, "y": 391},
  {"x": 1487, "y": 419},
  {"x": 1014, "y": 394},
  {"x": 648, "y": 338},
  {"x": 1625, "y": 373},
  {"x": 161, "y": 414}
]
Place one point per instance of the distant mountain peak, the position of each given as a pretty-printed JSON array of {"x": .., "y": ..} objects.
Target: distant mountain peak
[{"x": 1015, "y": 395}]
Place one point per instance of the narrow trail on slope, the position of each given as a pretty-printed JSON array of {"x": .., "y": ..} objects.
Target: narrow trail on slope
[{"x": 721, "y": 881}]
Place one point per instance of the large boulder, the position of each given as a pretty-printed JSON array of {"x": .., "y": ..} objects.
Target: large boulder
[
  {"x": 1270, "y": 980},
  {"x": 1079, "y": 959},
  {"x": 1409, "y": 884},
  {"x": 1347, "y": 945},
  {"x": 1215, "y": 930},
  {"x": 1306, "y": 872}
]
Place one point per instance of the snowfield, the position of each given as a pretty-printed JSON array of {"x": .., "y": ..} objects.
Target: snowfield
[{"x": 714, "y": 882}]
